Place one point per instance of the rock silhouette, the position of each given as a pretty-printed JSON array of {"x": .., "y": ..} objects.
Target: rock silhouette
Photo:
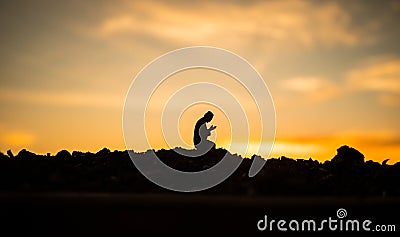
[
  {"x": 113, "y": 171},
  {"x": 348, "y": 156},
  {"x": 10, "y": 154}
]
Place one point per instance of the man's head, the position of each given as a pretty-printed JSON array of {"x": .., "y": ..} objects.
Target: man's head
[{"x": 208, "y": 116}]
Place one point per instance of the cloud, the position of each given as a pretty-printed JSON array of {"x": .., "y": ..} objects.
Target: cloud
[
  {"x": 312, "y": 88},
  {"x": 390, "y": 99},
  {"x": 62, "y": 98},
  {"x": 395, "y": 5},
  {"x": 380, "y": 76},
  {"x": 289, "y": 23}
]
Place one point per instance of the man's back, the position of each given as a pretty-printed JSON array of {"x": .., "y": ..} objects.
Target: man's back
[{"x": 196, "y": 132}]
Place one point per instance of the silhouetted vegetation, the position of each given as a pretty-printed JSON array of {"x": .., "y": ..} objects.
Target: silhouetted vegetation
[{"x": 113, "y": 171}]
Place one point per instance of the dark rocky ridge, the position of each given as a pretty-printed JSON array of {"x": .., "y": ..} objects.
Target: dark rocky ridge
[{"x": 347, "y": 174}]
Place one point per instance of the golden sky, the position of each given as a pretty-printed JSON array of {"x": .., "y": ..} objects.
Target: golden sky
[{"x": 332, "y": 67}]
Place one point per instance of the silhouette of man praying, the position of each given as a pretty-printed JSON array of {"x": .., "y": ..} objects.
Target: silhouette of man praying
[{"x": 201, "y": 132}]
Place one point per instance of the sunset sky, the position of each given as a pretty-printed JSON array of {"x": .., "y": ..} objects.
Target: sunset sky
[{"x": 332, "y": 67}]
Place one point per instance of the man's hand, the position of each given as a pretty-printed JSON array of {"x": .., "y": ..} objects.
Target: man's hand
[{"x": 212, "y": 127}]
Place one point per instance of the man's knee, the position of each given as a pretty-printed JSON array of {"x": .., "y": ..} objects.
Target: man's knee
[{"x": 205, "y": 146}]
